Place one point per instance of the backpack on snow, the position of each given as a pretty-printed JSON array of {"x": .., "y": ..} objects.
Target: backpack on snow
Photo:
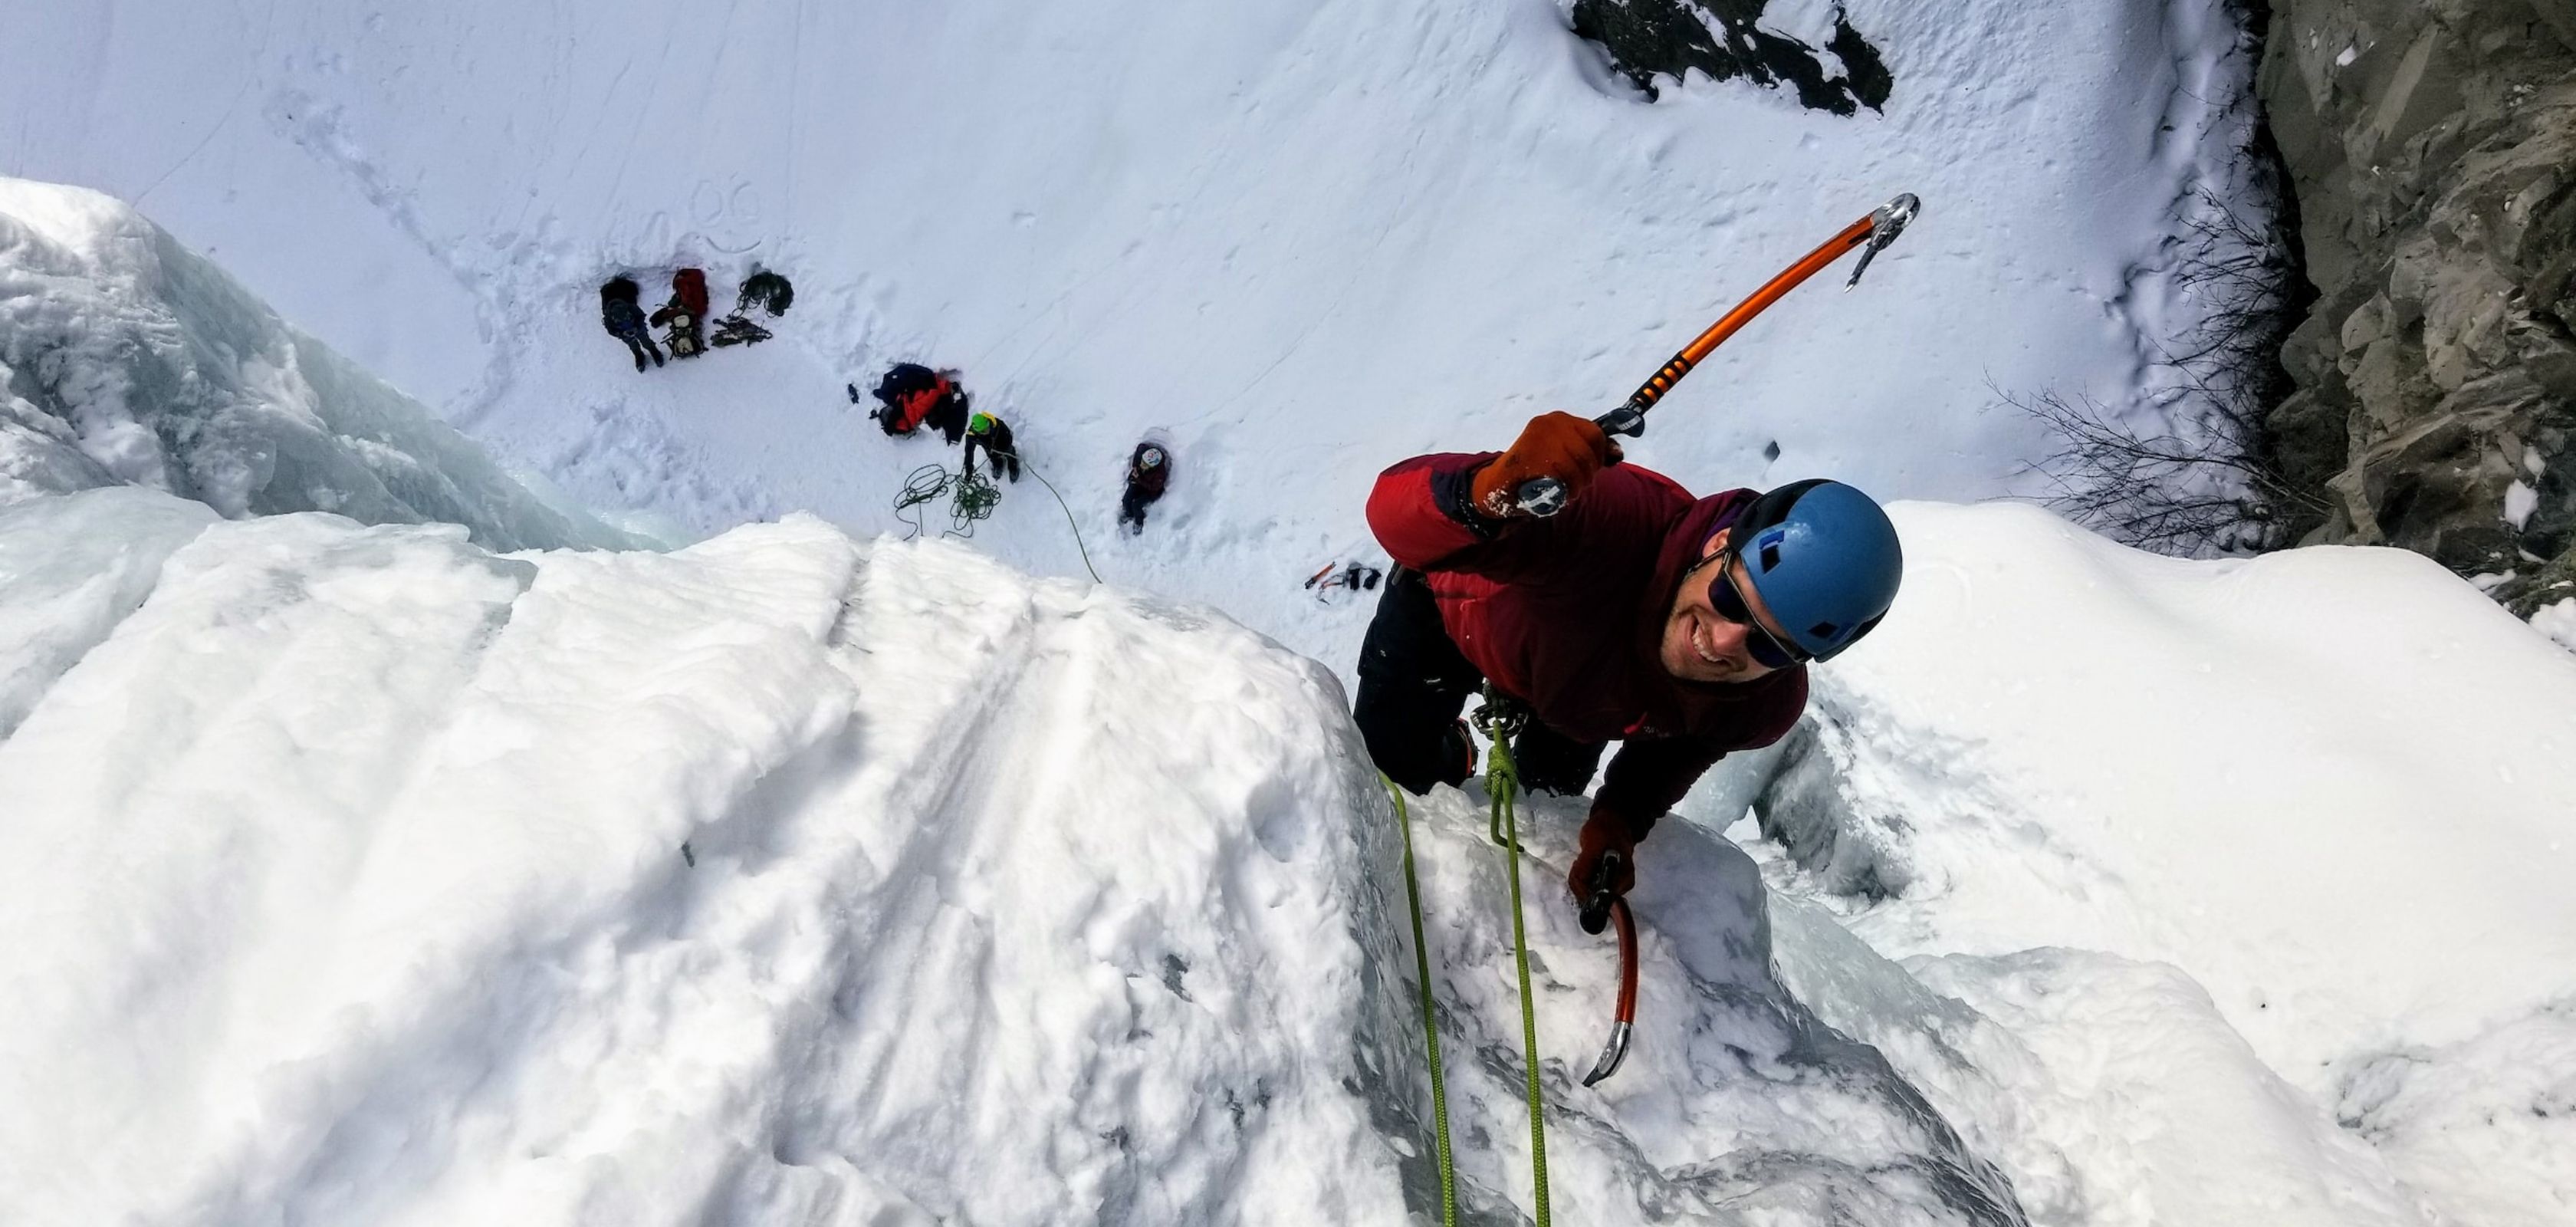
[{"x": 689, "y": 289}]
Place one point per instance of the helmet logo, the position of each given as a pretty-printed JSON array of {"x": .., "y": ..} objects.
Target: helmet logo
[{"x": 1768, "y": 546}]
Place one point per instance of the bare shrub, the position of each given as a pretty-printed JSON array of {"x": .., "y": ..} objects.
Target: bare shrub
[{"x": 2213, "y": 485}]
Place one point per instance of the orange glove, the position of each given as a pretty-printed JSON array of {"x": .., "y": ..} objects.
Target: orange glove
[
  {"x": 1560, "y": 445},
  {"x": 1603, "y": 833}
]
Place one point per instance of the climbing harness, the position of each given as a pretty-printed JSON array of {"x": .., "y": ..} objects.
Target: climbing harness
[{"x": 1545, "y": 496}]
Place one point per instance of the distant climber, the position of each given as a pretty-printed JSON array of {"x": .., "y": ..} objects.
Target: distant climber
[
  {"x": 914, "y": 396},
  {"x": 1681, "y": 627},
  {"x": 1149, "y": 473},
  {"x": 625, "y": 321},
  {"x": 763, "y": 289},
  {"x": 994, "y": 436},
  {"x": 686, "y": 314}
]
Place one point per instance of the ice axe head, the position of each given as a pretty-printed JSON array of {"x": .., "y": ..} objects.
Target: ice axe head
[
  {"x": 1598, "y": 894},
  {"x": 1885, "y": 223}
]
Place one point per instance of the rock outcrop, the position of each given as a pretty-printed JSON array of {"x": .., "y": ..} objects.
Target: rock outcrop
[
  {"x": 2432, "y": 148},
  {"x": 1650, "y": 41}
]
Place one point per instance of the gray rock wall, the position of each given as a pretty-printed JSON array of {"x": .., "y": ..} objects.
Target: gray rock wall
[{"x": 2431, "y": 145}]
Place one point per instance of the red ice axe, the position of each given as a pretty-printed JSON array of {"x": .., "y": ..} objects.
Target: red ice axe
[
  {"x": 1601, "y": 905},
  {"x": 1545, "y": 496}
]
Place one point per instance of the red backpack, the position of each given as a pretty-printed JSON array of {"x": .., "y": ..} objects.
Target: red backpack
[{"x": 689, "y": 285}]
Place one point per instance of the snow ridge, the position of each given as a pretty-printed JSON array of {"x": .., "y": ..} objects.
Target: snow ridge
[{"x": 380, "y": 886}]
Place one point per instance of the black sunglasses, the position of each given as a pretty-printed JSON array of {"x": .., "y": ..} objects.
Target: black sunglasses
[{"x": 1728, "y": 601}]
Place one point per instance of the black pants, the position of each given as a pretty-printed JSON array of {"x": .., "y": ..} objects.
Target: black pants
[
  {"x": 640, "y": 346},
  {"x": 1413, "y": 683},
  {"x": 1131, "y": 505}
]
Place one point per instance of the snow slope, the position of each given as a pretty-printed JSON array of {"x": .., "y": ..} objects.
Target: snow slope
[
  {"x": 365, "y": 879},
  {"x": 369, "y": 840},
  {"x": 127, "y": 359},
  {"x": 1307, "y": 239},
  {"x": 2325, "y": 793}
]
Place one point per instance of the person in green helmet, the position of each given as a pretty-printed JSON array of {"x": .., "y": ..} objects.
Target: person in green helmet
[{"x": 994, "y": 436}]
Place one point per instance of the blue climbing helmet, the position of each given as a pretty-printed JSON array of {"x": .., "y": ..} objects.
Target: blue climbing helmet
[{"x": 1824, "y": 558}]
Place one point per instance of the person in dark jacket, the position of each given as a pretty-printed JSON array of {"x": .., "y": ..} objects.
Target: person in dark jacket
[
  {"x": 1149, "y": 473},
  {"x": 1678, "y": 626},
  {"x": 686, "y": 314},
  {"x": 994, "y": 436},
  {"x": 625, "y": 321},
  {"x": 913, "y": 396}
]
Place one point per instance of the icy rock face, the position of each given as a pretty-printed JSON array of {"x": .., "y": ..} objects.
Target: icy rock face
[
  {"x": 126, "y": 359},
  {"x": 1648, "y": 40},
  {"x": 1736, "y": 1103},
  {"x": 2433, "y": 151},
  {"x": 372, "y": 878}
]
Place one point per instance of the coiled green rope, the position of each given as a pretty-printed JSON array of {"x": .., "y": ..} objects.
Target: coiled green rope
[{"x": 976, "y": 498}]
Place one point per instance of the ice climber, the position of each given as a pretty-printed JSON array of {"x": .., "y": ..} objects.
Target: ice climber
[
  {"x": 1679, "y": 626},
  {"x": 994, "y": 436},
  {"x": 914, "y": 396},
  {"x": 625, "y": 321},
  {"x": 1149, "y": 473}
]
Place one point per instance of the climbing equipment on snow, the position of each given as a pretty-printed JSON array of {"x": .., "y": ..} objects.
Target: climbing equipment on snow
[
  {"x": 1356, "y": 577},
  {"x": 737, "y": 329},
  {"x": 1545, "y": 496},
  {"x": 976, "y": 496}
]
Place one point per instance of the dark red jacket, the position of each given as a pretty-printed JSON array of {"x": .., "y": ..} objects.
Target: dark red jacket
[{"x": 1567, "y": 615}]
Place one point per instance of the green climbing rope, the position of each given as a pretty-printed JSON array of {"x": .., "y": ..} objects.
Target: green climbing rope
[
  {"x": 1068, "y": 516},
  {"x": 1430, "y": 1021},
  {"x": 1502, "y": 778},
  {"x": 975, "y": 498}
]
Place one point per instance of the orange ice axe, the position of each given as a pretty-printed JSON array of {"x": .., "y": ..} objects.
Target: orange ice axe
[{"x": 1545, "y": 496}]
